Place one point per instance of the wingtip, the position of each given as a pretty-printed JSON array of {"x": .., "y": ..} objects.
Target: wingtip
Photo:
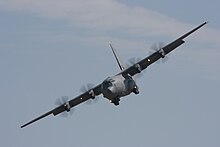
[
  {"x": 23, "y": 126},
  {"x": 38, "y": 118},
  {"x": 26, "y": 124}
]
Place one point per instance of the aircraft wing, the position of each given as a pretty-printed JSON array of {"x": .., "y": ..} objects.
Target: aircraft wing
[
  {"x": 141, "y": 65},
  {"x": 72, "y": 103}
]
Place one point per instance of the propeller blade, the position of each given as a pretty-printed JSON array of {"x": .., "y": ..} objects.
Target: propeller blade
[
  {"x": 64, "y": 114},
  {"x": 64, "y": 99},
  {"x": 72, "y": 111},
  {"x": 88, "y": 102},
  {"x": 96, "y": 99},
  {"x": 165, "y": 59},
  {"x": 58, "y": 102},
  {"x": 156, "y": 47},
  {"x": 161, "y": 45},
  {"x": 86, "y": 88},
  {"x": 61, "y": 101},
  {"x": 83, "y": 89},
  {"x": 133, "y": 61}
]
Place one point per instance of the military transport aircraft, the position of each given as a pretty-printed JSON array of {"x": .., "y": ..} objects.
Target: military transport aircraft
[{"x": 121, "y": 84}]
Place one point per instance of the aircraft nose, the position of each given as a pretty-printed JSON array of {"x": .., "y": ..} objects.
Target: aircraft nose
[{"x": 110, "y": 90}]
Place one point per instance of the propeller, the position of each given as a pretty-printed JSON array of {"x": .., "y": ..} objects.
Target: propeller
[
  {"x": 133, "y": 61},
  {"x": 86, "y": 88},
  {"x": 62, "y": 101},
  {"x": 156, "y": 47}
]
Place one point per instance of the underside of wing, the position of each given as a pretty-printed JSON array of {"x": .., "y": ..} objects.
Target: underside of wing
[
  {"x": 143, "y": 64},
  {"x": 90, "y": 94}
]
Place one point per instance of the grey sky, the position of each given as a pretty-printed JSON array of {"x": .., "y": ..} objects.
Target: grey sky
[{"x": 51, "y": 48}]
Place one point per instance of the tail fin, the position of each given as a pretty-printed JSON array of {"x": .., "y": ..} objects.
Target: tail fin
[{"x": 117, "y": 58}]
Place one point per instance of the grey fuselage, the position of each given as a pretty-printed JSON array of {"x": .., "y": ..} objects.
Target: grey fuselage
[{"x": 118, "y": 86}]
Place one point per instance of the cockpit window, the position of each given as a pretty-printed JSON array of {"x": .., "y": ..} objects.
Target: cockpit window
[{"x": 108, "y": 82}]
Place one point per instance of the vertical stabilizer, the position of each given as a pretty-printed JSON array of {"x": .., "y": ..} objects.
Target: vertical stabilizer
[{"x": 117, "y": 58}]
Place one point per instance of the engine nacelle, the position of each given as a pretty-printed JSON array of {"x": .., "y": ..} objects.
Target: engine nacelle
[
  {"x": 67, "y": 106},
  {"x": 162, "y": 53},
  {"x": 138, "y": 67},
  {"x": 92, "y": 94}
]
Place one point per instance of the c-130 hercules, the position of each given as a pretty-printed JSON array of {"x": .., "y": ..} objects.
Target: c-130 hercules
[{"x": 121, "y": 84}]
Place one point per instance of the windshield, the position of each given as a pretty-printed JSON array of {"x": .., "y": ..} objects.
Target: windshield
[{"x": 108, "y": 82}]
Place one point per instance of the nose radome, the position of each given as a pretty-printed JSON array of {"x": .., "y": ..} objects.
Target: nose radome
[{"x": 111, "y": 90}]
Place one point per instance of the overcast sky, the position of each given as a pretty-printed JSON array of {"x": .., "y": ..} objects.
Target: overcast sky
[{"x": 50, "y": 48}]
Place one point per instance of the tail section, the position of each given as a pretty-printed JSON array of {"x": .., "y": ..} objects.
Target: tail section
[{"x": 117, "y": 58}]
